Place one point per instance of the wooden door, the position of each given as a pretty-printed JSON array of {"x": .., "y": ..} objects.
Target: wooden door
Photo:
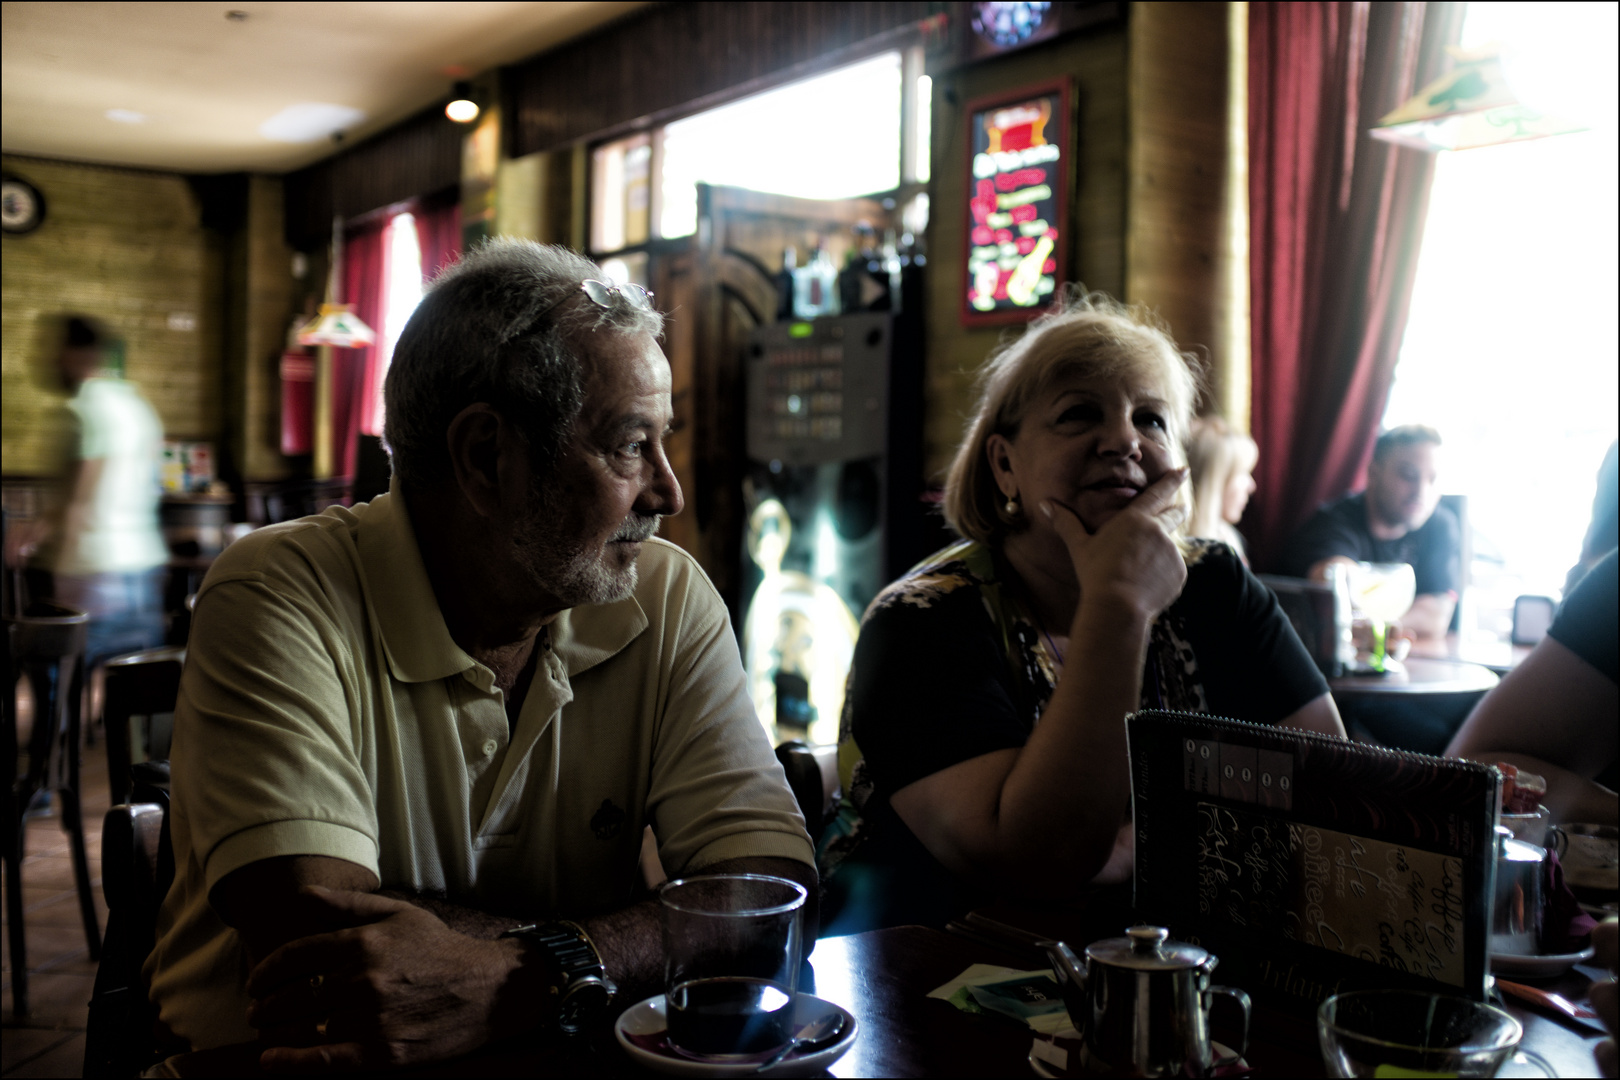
[{"x": 715, "y": 291}]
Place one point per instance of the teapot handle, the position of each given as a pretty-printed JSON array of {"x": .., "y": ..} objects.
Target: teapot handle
[{"x": 1243, "y": 1000}]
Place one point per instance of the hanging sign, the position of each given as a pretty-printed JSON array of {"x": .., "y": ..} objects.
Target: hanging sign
[{"x": 1017, "y": 204}]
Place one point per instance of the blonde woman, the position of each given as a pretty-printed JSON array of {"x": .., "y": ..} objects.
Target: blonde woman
[
  {"x": 983, "y": 741},
  {"x": 1222, "y": 460}
]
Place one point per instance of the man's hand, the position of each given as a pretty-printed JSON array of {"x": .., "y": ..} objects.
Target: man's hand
[{"x": 389, "y": 985}]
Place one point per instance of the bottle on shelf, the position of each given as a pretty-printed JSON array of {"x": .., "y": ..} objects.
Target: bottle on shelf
[
  {"x": 784, "y": 284},
  {"x": 815, "y": 286}
]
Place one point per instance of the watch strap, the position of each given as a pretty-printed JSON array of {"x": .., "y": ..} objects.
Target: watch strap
[{"x": 585, "y": 990}]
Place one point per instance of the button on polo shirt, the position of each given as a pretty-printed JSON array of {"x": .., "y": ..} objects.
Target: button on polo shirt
[{"x": 325, "y": 710}]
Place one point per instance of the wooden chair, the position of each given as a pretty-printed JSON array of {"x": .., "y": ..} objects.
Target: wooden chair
[
  {"x": 145, "y": 683},
  {"x": 137, "y": 868},
  {"x": 46, "y": 643},
  {"x": 812, "y": 773}
]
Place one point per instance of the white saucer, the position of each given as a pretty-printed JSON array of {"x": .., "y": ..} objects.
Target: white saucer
[
  {"x": 647, "y": 1018},
  {"x": 1538, "y": 967}
]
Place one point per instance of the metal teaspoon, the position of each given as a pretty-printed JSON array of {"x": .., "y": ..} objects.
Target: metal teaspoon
[{"x": 816, "y": 1035}]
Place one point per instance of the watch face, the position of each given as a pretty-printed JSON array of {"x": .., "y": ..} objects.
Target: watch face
[
  {"x": 22, "y": 208},
  {"x": 583, "y": 1002},
  {"x": 1006, "y": 25}
]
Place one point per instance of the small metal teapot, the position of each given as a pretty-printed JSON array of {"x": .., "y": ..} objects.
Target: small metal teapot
[{"x": 1141, "y": 1003}]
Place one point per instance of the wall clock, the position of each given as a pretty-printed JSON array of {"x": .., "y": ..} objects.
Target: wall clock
[
  {"x": 22, "y": 207},
  {"x": 1008, "y": 25}
]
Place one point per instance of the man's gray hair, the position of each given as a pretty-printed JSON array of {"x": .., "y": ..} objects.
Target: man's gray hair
[{"x": 504, "y": 326}]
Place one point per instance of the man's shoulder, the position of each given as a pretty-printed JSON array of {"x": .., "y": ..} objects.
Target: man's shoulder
[{"x": 318, "y": 545}]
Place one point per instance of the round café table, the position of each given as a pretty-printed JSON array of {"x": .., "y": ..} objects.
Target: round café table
[
  {"x": 1418, "y": 708},
  {"x": 1423, "y": 675}
]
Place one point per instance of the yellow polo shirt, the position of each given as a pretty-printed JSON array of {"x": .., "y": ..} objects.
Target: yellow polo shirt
[{"x": 325, "y": 710}]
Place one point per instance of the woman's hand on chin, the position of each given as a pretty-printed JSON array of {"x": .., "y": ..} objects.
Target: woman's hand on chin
[{"x": 1132, "y": 560}]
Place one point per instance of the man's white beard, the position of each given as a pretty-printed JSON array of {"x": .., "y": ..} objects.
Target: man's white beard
[{"x": 565, "y": 567}]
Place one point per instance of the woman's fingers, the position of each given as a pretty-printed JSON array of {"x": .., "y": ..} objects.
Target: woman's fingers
[{"x": 1160, "y": 496}]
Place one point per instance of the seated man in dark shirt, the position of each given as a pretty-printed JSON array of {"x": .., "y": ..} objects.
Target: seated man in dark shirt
[{"x": 1398, "y": 518}]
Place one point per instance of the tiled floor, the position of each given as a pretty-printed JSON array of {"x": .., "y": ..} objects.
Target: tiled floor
[{"x": 49, "y": 1041}]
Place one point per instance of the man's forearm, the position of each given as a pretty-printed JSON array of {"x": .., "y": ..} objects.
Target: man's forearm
[{"x": 629, "y": 939}]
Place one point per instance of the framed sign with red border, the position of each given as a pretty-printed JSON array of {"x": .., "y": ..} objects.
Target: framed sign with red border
[{"x": 1016, "y": 236}]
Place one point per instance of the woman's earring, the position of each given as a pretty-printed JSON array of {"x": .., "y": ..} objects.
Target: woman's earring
[{"x": 1012, "y": 506}]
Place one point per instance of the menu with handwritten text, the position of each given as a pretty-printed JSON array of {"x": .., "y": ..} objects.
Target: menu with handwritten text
[{"x": 1310, "y": 865}]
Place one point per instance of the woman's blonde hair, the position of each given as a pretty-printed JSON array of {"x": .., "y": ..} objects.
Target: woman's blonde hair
[
  {"x": 1216, "y": 452},
  {"x": 1090, "y": 335}
]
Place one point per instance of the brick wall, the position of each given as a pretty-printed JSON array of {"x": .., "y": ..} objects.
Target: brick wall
[{"x": 126, "y": 247}]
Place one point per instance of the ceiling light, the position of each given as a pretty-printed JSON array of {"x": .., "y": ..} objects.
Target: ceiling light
[
  {"x": 126, "y": 116},
  {"x": 462, "y": 108},
  {"x": 308, "y": 121}
]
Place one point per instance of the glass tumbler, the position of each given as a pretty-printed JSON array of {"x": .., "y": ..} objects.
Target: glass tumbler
[
  {"x": 1376, "y": 1033},
  {"x": 732, "y": 948}
]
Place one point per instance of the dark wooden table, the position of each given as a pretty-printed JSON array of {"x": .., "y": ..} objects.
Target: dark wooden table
[
  {"x": 884, "y": 978},
  {"x": 1500, "y": 656},
  {"x": 1423, "y": 675}
]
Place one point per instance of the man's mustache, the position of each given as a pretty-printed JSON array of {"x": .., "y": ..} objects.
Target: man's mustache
[{"x": 637, "y": 528}]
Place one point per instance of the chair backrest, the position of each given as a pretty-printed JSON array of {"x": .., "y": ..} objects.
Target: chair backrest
[
  {"x": 137, "y": 868},
  {"x": 145, "y": 683},
  {"x": 47, "y": 631},
  {"x": 812, "y": 773},
  {"x": 1309, "y": 607}
]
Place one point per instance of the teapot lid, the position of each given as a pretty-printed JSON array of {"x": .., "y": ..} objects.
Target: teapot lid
[{"x": 1148, "y": 948}]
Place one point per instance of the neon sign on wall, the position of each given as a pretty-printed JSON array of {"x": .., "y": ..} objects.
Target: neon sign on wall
[{"x": 1017, "y": 200}]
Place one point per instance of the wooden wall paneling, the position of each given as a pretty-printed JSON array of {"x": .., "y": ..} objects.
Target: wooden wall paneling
[
  {"x": 668, "y": 58},
  {"x": 269, "y": 315},
  {"x": 1178, "y": 249},
  {"x": 1095, "y": 63},
  {"x": 674, "y": 284},
  {"x": 419, "y": 156},
  {"x": 125, "y": 246}
]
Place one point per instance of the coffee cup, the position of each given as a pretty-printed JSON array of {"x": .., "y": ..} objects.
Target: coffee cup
[{"x": 1590, "y": 855}]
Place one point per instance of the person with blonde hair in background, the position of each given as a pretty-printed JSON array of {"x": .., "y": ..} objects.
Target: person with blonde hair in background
[
  {"x": 983, "y": 737},
  {"x": 1222, "y": 460}
]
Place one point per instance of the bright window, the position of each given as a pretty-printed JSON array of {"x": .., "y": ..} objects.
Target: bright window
[
  {"x": 1510, "y": 350},
  {"x": 402, "y": 291},
  {"x": 828, "y": 137}
]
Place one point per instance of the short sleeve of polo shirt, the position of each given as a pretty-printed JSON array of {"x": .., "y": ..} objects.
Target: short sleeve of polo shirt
[
  {"x": 717, "y": 791},
  {"x": 264, "y": 702}
]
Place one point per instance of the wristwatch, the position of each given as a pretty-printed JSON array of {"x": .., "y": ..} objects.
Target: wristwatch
[{"x": 585, "y": 991}]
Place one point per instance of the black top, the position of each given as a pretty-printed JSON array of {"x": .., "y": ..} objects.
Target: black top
[
  {"x": 1340, "y": 528},
  {"x": 949, "y": 667},
  {"x": 1586, "y": 624}
]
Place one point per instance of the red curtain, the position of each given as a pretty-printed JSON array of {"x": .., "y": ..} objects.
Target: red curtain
[
  {"x": 1336, "y": 222},
  {"x": 438, "y": 232},
  {"x": 363, "y": 281}
]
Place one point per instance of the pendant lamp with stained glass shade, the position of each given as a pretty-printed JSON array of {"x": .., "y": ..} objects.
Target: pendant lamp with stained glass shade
[
  {"x": 337, "y": 325},
  {"x": 1471, "y": 105}
]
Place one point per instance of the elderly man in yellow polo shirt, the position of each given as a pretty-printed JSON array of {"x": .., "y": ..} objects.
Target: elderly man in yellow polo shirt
[{"x": 408, "y": 727}]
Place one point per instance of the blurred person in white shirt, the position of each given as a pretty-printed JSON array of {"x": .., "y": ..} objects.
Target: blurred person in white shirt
[{"x": 101, "y": 539}]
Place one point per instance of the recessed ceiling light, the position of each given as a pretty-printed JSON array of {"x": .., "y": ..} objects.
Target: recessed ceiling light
[
  {"x": 308, "y": 121},
  {"x": 126, "y": 116}
]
